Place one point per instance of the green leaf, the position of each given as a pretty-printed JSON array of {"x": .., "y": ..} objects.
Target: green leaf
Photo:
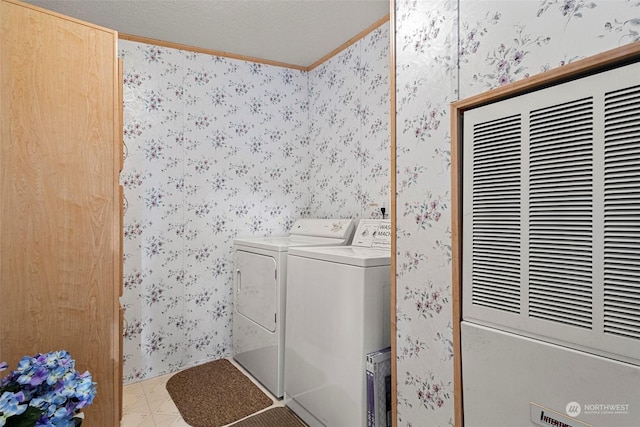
[{"x": 27, "y": 419}]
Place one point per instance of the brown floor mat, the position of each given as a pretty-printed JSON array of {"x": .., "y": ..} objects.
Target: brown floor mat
[
  {"x": 275, "y": 417},
  {"x": 215, "y": 394}
]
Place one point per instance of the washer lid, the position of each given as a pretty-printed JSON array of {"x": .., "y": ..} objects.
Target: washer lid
[
  {"x": 306, "y": 232},
  {"x": 282, "y": 244},
  {"x": 350, "y": 255}
]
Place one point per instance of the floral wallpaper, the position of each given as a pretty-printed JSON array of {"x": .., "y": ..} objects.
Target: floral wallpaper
[
  {"x": 349, "y": 130},
  {"x": 217, "y": 148},
  {"x": 448, "y": 50}
]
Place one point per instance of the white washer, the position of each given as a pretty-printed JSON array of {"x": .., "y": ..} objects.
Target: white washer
[
  {"x": 338, "y": 310},
  {"x": 259, "y": 284}
]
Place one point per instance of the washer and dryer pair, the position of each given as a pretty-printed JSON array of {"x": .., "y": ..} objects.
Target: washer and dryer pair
[{"x": 259, "y": 291}]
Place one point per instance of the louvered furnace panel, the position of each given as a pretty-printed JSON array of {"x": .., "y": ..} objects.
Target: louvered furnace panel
[{"x": 551, "y": 254}]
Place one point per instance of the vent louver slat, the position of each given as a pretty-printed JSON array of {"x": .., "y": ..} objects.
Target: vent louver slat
[
  {"x": 560, "y": 213},
  {"x": 622, "y": 213},
  {"x": 496, "y": 214},
  {"x": 551, "y": 213}
]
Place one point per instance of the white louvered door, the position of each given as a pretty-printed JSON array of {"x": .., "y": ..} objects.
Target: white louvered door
[{"x": 551, "y": 214}]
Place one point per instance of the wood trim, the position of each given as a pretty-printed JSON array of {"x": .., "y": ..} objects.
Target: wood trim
[
  {"x": 189, "y": 48},
  {"x": 353, "y": 40},
  {"x": 392, "y": 207},
  {"x": 591, "y": 65},
  {"x": 456, "y": 264}
]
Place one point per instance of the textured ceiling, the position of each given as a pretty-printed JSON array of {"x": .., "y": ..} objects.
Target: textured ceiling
[{"x": 297, "y": 32}]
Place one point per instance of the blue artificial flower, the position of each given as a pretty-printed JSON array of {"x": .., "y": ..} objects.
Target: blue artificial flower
[
  {"x": 44, "y": 421},
  {"x": 39, "y": 375},
  {"x": 45, "y": 390},
  {"x": 10, "y": 406}
]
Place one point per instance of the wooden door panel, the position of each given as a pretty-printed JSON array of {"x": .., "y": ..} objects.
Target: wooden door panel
[{"x": 59, "y": 235}]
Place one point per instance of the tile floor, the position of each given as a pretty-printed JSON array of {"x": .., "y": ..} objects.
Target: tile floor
[{"x": 148, "y": 404}]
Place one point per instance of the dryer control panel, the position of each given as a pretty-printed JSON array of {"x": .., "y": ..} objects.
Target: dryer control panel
[{"x": 317, "y": 227}]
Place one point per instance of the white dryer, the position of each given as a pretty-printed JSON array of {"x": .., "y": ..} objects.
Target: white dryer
[
  {"x": 259, "y": 289},
  {"x": 338, "y": 310}
]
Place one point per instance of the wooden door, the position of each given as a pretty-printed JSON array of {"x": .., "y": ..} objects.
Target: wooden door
[{"x": 60, "y": 224}]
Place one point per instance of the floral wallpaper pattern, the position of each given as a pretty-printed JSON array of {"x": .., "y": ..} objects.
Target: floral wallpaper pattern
[
  {"x": 349, "y": 130},
  {"x": 217, "y": 148},
  {"x": 448, "y": 50},
  {"x": 426, "y": 82}
]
